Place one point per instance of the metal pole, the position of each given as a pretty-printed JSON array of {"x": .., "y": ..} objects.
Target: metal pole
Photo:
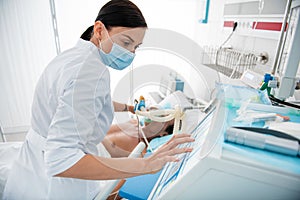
[
  {"x": 2, "y": 134},
  {"x": 54, "y": 24},
  {"x": 281, "y": 38},
  {"x": 288, "y": 80}
]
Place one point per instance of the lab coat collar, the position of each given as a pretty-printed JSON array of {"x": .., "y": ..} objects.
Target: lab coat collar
[{"x": 86, "y": 44}]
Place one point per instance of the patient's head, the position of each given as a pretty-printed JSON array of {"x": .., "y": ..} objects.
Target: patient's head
[{"x": 158, "y": 129}]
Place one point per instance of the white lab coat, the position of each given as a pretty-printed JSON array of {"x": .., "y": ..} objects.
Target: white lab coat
[{"x": 71, "y": 113}]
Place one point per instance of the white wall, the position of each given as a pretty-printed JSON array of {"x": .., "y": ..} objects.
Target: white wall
[
  {"x": 212, "y": 33},
  {"x": 75, "y": 16},
  {"x": 27, "y": 45}
]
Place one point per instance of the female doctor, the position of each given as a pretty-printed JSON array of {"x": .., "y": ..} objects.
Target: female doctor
[{"x": 60, "y": 158}]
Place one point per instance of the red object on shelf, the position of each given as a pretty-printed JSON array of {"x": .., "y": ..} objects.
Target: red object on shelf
[
  {"x": 228, "y": 23},
  {"x": 268, "y": 26}
]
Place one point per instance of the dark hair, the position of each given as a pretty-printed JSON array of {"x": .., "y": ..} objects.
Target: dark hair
[{"x": 118, "y": 13}]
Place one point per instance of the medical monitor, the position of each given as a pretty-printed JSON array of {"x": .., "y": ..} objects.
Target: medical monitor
[{"x": 206, "y": 134}]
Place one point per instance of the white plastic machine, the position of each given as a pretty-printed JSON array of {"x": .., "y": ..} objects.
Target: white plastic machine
[{"x": 216, "y": 170}]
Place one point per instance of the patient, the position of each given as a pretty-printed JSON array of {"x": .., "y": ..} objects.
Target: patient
[{"x": 122, "y": 138}]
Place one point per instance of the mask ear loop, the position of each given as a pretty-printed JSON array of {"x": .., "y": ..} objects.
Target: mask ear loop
[
  {"x": 112, "y": 42},
  {"x": 100, "y": 45}
]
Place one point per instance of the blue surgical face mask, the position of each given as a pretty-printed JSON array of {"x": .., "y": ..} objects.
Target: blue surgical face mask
[{"x": 118, "y": 58}]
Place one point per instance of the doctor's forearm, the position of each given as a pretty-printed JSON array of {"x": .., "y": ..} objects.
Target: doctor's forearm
[
  {"x": 98, "y": 168},
  {"x": 120, "y": 107}
]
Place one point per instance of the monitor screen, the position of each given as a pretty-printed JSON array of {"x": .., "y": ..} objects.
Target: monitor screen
[{"x": 173, "y": 170}]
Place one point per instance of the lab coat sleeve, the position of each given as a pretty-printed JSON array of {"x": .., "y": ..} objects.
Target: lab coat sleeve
[{"x": 75, "y": 120}]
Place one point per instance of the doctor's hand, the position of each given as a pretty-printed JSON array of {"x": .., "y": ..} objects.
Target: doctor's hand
[{"x": 168, "y": 153}]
